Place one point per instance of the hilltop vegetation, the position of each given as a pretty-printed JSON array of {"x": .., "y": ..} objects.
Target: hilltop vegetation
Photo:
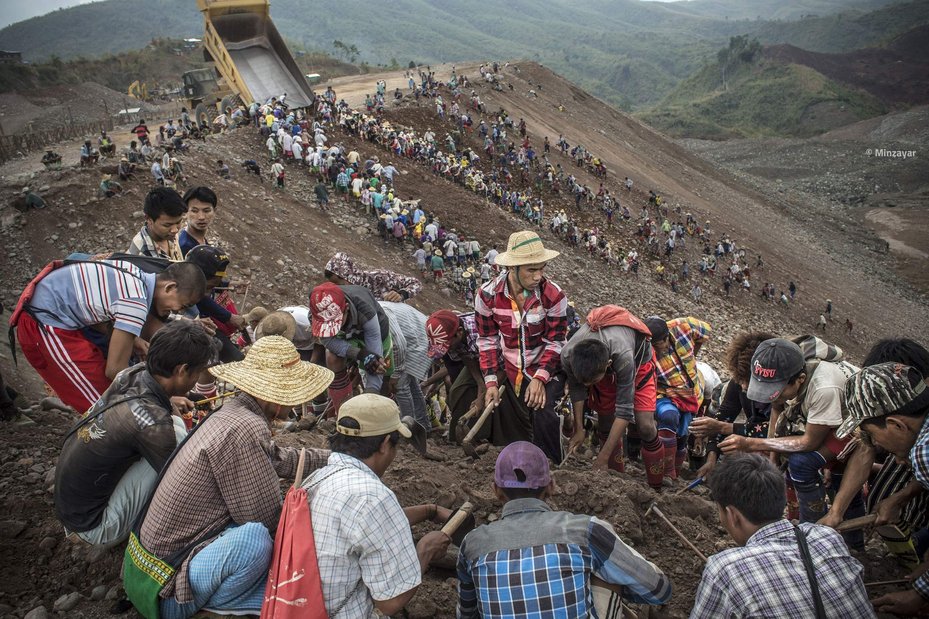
[{"x": 628, "y": 52}]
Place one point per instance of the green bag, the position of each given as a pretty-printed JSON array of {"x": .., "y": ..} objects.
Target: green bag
[{"x": 144, "y": 575}]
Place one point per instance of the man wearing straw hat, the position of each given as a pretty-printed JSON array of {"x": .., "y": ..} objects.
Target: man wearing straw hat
[
  {"x": 521, "y": 316},
  {"x": 220, "y": 495},
  {"x": 366, "y": 555}
]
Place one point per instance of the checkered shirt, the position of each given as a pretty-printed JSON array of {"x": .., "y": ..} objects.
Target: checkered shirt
[
  {"x": 766, "y": 577},
  {"x": 143, "y": 245},
  {"x": 364, "y": 546},
  {"x": 537, "y": 563},
  {"x": 530, "y": 341},
  {"x": 227, "y": 473},
  {"x": 677, "y": 368},
  {"x": 919, "y": 461}
]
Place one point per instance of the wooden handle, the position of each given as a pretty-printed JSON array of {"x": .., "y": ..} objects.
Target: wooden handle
[
  {"x": 881, "y": 583},
  {"x": 452, "y": 525},
  {"x": 856, "y": 523},
  {"x": 480, "y": 420},
  {"x": 300, "y": 464}
]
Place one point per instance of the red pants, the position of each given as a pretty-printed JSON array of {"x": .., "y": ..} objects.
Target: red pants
[{"x": 72, "y": 366}]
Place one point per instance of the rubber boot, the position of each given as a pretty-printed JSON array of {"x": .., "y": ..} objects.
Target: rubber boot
[
  {"x": 680, "y": 455},
  {"x": 340, "y": 389},
  {"x": 617, "y": 462},
  {"x": 653, "y": 459},
  {"x": 669, "y": 446},
  {"x": 633, "y": 444},
  {"x": 812, "y": 499},
  {"x": 793, "y": 506}
]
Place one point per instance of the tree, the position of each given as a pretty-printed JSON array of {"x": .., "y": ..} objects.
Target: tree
[{"x": 740, "y": 50}]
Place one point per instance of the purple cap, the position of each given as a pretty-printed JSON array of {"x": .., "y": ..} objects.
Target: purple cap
[{"x": 522, "y": 465}]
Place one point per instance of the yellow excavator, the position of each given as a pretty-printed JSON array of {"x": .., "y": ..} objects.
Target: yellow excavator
[
  {"x": 138, "y": 90},
  {"x": 251, "y": 60}
]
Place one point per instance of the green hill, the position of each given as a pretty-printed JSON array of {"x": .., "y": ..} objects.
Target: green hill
[
  {"x": 629, "y": 52},
  {"x": 759, "y": 97}
]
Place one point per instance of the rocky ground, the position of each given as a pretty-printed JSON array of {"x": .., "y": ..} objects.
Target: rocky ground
[{"x": 280, "y": 241}]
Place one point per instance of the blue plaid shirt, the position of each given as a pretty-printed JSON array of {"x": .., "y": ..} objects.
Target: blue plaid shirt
[
  {"x": 537, "y": 563},
  {"x": 767, "y": 578}
]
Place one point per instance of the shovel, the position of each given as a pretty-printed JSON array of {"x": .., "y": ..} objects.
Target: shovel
[
  {"x": 460, "y": 523},
  {"x": 418, "y": 438},
  {"x": 466, "y": 443},
  {"x": 461, "y": 426}
]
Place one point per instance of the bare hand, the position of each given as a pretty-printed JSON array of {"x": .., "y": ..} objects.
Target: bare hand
[
  {"x": 577, "y": 440},
  {"x": 208, "y": 325},
  {"x": 602, "y": 461},
  {"x": 832, "y": 519},
  {"x": 492, "y": 396},
  {"x": 182, "y": 405},
  {"x": 442, "y": 514},
  {"x": 888, "y": 511},
  {"x": 733, "y": 443},
  {"x": 392, "y": 296},
  {"x": 432, "y": 546},
  {"x": 705, "y": 426},
  {"x": 237, "y": 321},
  {"x": 905, "y": 603},
  {"x": 140, "y": 348},
  {"x": 535, "y": 394},
  {"x": 706, "y": 469}
]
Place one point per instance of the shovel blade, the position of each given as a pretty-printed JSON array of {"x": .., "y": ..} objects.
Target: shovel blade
[{"x": 418, "y": 438}]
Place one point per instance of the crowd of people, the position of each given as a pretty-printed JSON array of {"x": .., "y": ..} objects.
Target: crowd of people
[{"x": 178, "y": 394}]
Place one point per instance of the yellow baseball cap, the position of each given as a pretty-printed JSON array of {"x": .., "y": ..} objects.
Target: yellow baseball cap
[{"x": 375, "y": 414}]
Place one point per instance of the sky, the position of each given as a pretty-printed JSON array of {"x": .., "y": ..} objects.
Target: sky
[{"x": 12, "y": 11}]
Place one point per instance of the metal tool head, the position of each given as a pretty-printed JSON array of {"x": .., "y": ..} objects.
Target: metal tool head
[
  {"x": 652, "y": 507},
  {"x": 418, "y": 438},
  {"x": 463, "y": 529}
]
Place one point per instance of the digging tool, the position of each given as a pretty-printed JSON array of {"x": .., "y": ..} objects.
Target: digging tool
[
  {"x": 215, "y": 397},
  {"x": 418, "y": 438},
  {"x": 459, "y": 523},
  {"x": 881, "y": 583},
  {"x": 301, "y": 463},
  {"x": 654, "y": 508},
  {"x": 689, "y": 486},
  {"x": 466, "y": 443},
  {"x": 461, "y": 426},
  {"x": 856, "y": 523}
]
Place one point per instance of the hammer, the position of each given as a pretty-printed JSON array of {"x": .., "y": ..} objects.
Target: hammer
[
  {"x": 654, "y": 508},
  {"x": 466, "y": 443}
]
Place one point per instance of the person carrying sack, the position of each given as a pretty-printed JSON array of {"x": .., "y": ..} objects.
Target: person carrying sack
[{"x": 205, "y": 540}]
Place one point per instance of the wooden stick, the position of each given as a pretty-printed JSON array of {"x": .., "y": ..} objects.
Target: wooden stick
[
  {"x": 300, "y": 464},
  {"x": 881, "y": 583},
  {"x": 689, "y": 486},
  {"x": 856, "y": 523},
  {"x": 654, "y": 508},
  {"x": 217, "y": 397},
  {"x": 452, "y": 525}
]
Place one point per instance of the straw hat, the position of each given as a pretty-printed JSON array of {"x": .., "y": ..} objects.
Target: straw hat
[
  {"x": 273, "y": 371},
  {"x": 256, "y": 314},
  {"x": 525, "y": 248},
  {"x": 277, "y": 323}
]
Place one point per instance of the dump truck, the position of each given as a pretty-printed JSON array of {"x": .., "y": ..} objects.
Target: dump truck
[{"x": 251, "y": 60}]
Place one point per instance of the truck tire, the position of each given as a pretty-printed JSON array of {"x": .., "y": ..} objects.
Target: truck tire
[
  {"x": 229, "y": 101},
  {"x": 202, "y": 114}
]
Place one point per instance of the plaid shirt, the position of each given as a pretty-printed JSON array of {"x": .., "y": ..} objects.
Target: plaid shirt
[
  {"x": 364, "y": 546},
  {"x": 919, "y": 462},
  {"x": 143, "y": 245},
  {"x": 227, "y": 473},
  {"x": 678, "y": 376},
  {"x": 467, "y": 348},
  {"x": 766, "y": 577},
  {"x": 537, "y": 563},
  {"x": 530, "y": 341}
]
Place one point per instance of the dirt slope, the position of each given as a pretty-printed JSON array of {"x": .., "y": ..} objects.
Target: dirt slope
[{"x": 280, "y": 241}]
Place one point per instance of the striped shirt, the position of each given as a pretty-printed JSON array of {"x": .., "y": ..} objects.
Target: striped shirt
[
  {"x": 537, "y": 563},
  {"x": 89, "y": 293},
  {"x": 919, "y": 462},
  {"x": 678, "y": 377},
  {"x": 530, "y": 341},
  {"x": 410, "y": 344}
]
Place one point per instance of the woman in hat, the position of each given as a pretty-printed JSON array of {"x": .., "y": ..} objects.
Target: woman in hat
[{"x": 522, "y": 316}]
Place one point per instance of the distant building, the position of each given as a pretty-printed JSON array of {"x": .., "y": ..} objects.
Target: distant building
[{"x": 11, "y": 57}]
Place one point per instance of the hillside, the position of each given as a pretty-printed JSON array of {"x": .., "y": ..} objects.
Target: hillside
[
  {"x": 280, "y": 241},
  {"x": 786, "y": 91},
  {"x": 776, "y": 10},
  {"x": 628, "y": 52}
]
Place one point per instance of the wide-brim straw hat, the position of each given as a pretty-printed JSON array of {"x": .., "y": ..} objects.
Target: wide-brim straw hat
[
  {"x": 274, "y": 372},
  {"x": 524, "y": 248}
]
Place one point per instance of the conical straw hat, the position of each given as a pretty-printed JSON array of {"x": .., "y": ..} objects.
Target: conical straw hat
[
  {"x": 525, "y": 248},
  {"x": 273, "y": 371}
]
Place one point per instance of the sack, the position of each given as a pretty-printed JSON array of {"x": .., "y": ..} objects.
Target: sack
[
  {"x": 294, "y": 589},
  {"x": 144, "y": 575}
]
